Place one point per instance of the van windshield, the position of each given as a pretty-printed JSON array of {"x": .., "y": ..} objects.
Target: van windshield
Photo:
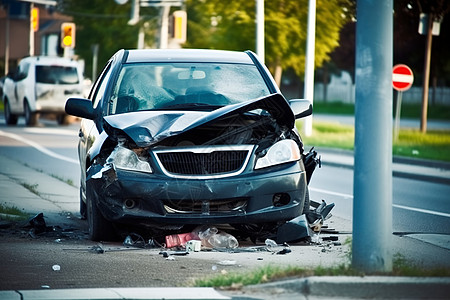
[{"x": 56, "y": 75}]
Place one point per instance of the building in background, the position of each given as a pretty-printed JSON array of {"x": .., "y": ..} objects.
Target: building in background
[{"x": 15, "y": 31}]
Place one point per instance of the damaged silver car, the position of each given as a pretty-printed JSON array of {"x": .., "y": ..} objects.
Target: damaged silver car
[{"x": 179, "y": 138}]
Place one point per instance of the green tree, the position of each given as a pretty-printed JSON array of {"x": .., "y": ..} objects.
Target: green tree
[{"x": 231, "y": 25}]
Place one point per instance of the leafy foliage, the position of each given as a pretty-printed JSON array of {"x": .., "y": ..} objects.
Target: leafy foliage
[{"x": 231, "y": 25}]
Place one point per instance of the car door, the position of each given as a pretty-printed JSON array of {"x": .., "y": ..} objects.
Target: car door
[
  {"x": 23, "y": 87},
  {"x": 88, "y": 130}
]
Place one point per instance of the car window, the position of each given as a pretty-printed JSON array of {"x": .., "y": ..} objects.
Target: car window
[
  {"x": 57, "y": 75},
  {"x": 22, "y": 71},
  {"x": 100, "y": 85},
  {"x": 147, "y": 86}
]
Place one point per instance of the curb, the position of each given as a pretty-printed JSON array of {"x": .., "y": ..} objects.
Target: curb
[
  {"x": 369, "y": 287},
  {"x": 177, "y": 293}
]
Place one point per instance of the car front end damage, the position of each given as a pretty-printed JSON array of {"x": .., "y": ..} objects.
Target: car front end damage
[{"x": 164, "y": 170}]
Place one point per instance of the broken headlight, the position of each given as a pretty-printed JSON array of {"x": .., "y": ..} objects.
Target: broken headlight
[
  {"x": 281, "y": 152},
  {"x": 124, "y": 158}
]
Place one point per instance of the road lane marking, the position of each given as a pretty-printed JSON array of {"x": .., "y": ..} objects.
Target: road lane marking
[
  {"x": 67, "y": 132},
  {"x": 331, "y": 193},
  {"x": 425, "y": 211},
  {"x": 38, "y": 147}
]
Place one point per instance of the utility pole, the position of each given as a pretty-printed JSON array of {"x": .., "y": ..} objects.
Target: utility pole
[
  {"x": 7, "y": 41},
  {"x": 260, "y": 47},
  {"x": 426, "y": 74},
  {"x": 31, "y": 47},
  {"x": 372, "y": 202},
  {"x": 309, "y": 63}
]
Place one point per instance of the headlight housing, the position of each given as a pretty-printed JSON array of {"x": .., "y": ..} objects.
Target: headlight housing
[
  {"x": 126, "y": 159},
  {"x": 281, "y": 152}
]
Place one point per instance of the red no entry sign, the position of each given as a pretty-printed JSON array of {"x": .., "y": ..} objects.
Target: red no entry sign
[{"x": 402, "y": 77}]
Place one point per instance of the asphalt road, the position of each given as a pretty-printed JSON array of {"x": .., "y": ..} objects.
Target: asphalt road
[{"x": 48, "y": 153}]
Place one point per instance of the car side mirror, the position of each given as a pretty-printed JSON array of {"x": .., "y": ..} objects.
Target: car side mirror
[
  {"x": 80, "y": 107},
  {"x": 301, "y": 108}
]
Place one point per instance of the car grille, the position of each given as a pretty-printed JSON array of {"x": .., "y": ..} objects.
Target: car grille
[
  {"x": 213, "y": 161},
  {"x": 235, "y": 205}
]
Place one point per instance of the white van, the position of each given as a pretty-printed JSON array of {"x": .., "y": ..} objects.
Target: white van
[{"x": 41, "y": 85}]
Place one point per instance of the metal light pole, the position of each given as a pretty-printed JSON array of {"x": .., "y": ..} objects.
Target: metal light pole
[
  {"x": 309, "y": 63},
  {"x": 372, "y": 203},
  {"x": 31, "y": 48},
  {"x": 260, "y": 47},
  {"x": 426, "y": 74}
]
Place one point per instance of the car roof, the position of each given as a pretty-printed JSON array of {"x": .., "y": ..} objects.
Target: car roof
[
  {"x": 51, "y": 60},
  {"x": 187, "y": 55}
]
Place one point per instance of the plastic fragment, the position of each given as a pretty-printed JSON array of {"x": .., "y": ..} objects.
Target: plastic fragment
[
  {"x": 227, "y": 263},
  {"x": 134, "y": 240},
  {"x": 97, "y": 249},
  {"x": 56, "y": 267}
]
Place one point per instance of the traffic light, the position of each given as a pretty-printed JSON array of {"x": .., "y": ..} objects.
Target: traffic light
[
  {"x": 35, "y": 19},
  {"x": 68, "y": 35},
  {"x": 179, "y": 25}
]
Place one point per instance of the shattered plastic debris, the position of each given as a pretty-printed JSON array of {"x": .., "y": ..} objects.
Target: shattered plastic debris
[
  {"x": 38, "y": 225},
  {"x": 210, "y": 237},
  {"x": 97, "y": 249},
  {"x": 320, "y": 214},
  {"x": 273, "y": 247},
  {"x": 295, "y": 230},
  {"x": 311, "y": 161},
  {"x": 56, "y": 267},
  {"x": 223, "y": 240},
  {"x": 134, "y": 240},
  {"x": 227, "y": 263}
]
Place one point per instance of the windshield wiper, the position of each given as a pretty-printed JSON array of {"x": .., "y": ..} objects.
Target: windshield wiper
[{"x": 193, "y": 106}]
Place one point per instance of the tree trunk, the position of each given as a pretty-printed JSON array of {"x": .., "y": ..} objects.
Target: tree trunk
[{"x": 278, "y": 72}]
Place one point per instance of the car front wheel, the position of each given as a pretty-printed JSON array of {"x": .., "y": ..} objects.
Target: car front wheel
[
  {"x": 100, "y": 229},
  {"x": 31, "y": 117},
  {"x": 10, "y": 118},
  {"x": 62, "y": 119}
]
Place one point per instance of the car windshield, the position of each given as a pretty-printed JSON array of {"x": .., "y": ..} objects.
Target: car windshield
[
  {"x": 196, "y": 86},
  {"x": 56, "y": 75}
]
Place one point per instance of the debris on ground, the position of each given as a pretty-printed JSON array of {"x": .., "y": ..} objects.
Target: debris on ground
[{"x": 38, "y": 225}]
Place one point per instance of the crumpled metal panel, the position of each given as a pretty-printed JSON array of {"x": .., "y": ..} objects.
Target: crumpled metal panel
[{"x": 150, "y": 127}]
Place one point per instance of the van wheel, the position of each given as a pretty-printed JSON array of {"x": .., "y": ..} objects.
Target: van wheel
[
  {"x": 11, "y": 119},
  {"x": 62, "y": 119},
  {"x": 31, "y": 118}
]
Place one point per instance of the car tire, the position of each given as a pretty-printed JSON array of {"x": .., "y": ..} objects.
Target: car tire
[
  {"x": 307, "y": 203},
  {"x": 83, "y": 208},
  {"x": 31, "y": 117},
  {"x": 10, "y": 118},
  {"x": 100, "y": 229}
]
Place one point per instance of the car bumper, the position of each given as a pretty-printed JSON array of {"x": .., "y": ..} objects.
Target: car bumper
[{"x": 147, "y": 199}]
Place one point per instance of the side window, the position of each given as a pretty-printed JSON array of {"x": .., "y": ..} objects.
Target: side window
[
  {"x": 100, "y": 85},
  {"x": 22, "y": 71}
]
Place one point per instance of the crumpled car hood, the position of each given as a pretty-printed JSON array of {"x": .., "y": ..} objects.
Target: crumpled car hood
[{"x": 149, "y": 127}]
